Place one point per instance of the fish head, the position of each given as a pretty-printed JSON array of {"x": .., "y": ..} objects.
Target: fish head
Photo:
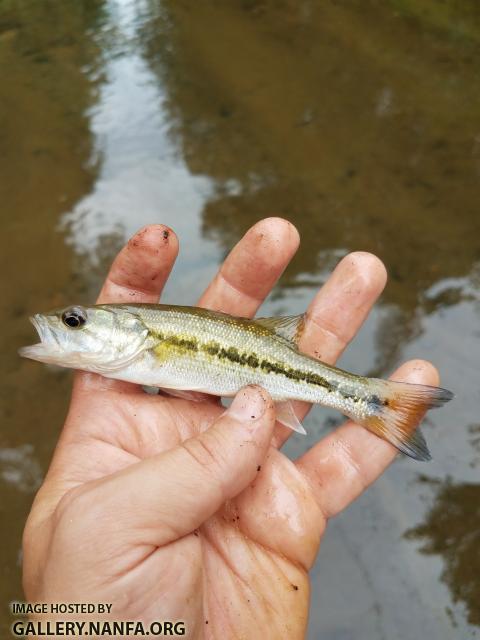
[{"x": 98, "y": 339}]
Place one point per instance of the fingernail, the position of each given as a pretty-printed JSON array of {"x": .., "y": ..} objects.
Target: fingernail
[{"x": 249, "y": 404}]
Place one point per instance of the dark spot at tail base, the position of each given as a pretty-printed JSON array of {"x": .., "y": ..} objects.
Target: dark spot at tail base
[{"x": 377, "y": 402}]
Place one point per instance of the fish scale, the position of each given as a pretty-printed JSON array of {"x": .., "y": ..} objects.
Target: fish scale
[
  {"x": 189, "y": 349},
  {"x": 230, "y": 353}
]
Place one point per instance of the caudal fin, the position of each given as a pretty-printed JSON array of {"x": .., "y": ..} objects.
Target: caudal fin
[{"x": 397, "y": 409}]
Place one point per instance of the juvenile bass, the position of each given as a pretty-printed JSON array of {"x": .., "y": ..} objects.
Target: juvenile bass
[{"x": 188, "y": 349}]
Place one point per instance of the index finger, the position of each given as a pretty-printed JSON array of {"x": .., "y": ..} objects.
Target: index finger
[{"x": 140, "y": 270}]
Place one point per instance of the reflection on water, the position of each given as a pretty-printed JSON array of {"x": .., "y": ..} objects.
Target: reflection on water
[
  {"x": 51, "y": 59},
  {"x": 452, "y": 530},
  {"x": 357, "y": 121},
  {"x": 343, "y": 119},
  {"x": 142, "y": 178},
  {"x": 19, "y": 468}
]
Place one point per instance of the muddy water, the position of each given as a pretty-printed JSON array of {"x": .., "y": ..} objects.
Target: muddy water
[{"x": 359, "y": 122}]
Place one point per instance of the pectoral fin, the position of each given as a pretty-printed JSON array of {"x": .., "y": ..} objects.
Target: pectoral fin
[{"x": 286, "y": 415}]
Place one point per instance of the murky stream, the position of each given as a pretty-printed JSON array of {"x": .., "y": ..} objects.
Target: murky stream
[{"x": 360, "y": 123}]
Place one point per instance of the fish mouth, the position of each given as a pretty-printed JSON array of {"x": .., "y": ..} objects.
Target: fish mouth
[{"x": 48, "y": 349}]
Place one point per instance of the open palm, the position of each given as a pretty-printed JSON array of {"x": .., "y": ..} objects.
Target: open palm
[{"x": 177, "y": 510}]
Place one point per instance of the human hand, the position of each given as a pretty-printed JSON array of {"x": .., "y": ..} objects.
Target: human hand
[{"x": 179, "y": 510}]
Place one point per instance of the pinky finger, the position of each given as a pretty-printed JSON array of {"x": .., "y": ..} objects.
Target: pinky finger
[{"x": 342, "y": 465}]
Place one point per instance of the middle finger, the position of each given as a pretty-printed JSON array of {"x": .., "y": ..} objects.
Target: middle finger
[{"x": 252, "y": 268}]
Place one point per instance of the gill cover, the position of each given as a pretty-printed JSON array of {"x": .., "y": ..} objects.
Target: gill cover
[{"x": 103, "y": 341}]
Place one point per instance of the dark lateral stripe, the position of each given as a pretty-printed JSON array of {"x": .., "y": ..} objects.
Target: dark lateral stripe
[
  {"x": 245, "y": 359},
  {"x": 252, "y": 360},
  {"x": 188, "y": 344},
  {"x": 232, "y": 354}
]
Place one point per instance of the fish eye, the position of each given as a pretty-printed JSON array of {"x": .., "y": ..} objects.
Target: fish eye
[{"x": 74, "y": 317}]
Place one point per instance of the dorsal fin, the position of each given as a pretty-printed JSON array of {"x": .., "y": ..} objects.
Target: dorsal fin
[{"x": 290, "y": 328}]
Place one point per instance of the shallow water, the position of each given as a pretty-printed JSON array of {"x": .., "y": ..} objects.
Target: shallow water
[{"x": 359, "y": 122}]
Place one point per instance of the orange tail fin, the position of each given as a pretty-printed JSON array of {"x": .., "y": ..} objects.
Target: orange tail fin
[{"x": 398, "y": 408}]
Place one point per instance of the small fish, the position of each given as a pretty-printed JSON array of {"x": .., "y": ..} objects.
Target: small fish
[{"x": 187, "y": 349}]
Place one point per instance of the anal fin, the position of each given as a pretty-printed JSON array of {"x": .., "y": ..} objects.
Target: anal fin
[{"x": 286, "y": 415}]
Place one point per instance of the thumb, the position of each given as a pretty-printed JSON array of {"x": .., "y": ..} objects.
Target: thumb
[{"x": 167, "y": 496}]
